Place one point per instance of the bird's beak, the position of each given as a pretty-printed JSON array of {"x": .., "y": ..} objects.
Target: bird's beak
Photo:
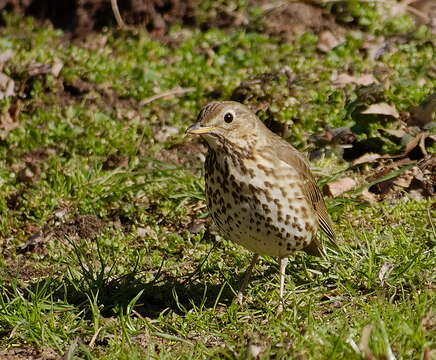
[{"x": 198, "y": 129}]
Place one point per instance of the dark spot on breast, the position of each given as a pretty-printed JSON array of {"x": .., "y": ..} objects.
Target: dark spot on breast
[
  {"x": 264, "y": 169},
  {"x": 235, "y": 185}
]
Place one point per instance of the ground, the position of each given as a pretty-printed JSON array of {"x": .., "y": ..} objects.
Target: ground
[{"x": 108, "y": 251}]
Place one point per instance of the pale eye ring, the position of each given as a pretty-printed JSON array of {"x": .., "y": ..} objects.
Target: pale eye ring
[{"x": 228, "y": 117}]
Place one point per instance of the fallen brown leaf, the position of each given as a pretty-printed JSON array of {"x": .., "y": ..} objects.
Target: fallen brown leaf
[
  {"x": 405, "y": 179},
  {"x": 6, "y": 86},
  {"x": 366, "y": 158},
  {"x": 340, "y": 186},
  {"x": 6, "y": 56},
  {"x": 412, "y": 144},
  {"x": 382, "y": 109},
  {"x": 254, "y": 350},
  {"x": 422, "y": 114},
  {"x": 425, "y": 12},
  {"x": 399, "y": 133},
  {"x": 384, "y": 272},
  {"x": 368, "y": 197},
  {"x": 344, "y": 79},
  {"x": 7, "y": 124},
  {"x": 56, "y": 67},
  {"x": 35, "y": 69},
  {"x": 328, "y": 41}
]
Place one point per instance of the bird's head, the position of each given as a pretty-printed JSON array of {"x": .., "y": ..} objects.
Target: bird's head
[{"x": 225, "y": 122}]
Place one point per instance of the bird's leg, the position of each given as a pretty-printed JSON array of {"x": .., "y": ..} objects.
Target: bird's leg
[
  {"x": 283, "y": 262},
  {"x": 247, "y": 277}
]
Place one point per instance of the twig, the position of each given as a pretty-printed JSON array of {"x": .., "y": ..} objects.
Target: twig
[
  {"x": 170, "y": 93},
  {"x": 117, "y": 14}
]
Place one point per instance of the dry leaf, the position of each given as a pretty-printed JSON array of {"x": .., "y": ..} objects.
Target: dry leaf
[
  {"x": 38, "y": 69},
  {"x": 405, "y": 179},
  {"x": 366, "y": 158},
  {"x": 6, "y": 56},
  {"x": 397, "y": 133},
  {"x": 422, "y": 114},
  {"x": 328, "y": 41},
  {"x": 6, "y": 86},
  {"x": 7, "y": 124},
  {"x": 412, "y": 144},
  {"x": 254, "y": 350},
  {"x": 344, "y": 79},
  {"x": 385, "y": 271},
  {"x": 368, "y": 197},
  {"x": 340, "y": 186},
  {"x": 425, "y": 12},
  {"x": 382, "y": 109},
  {"x": 56, "y": 67}
]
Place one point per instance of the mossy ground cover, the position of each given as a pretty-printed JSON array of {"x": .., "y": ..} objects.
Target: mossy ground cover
[{"x": 102, "y": 213}]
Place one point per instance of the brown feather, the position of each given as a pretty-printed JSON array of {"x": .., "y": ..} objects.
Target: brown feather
[{"x": 291, "y": 156}]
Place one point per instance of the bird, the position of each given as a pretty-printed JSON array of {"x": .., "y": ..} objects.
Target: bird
[{"x": 260, "y": 191}]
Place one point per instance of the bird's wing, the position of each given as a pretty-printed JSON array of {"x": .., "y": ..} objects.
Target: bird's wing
[{"x": 291, "y": 156}]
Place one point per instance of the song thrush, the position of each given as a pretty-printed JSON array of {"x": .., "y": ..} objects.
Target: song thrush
[{"x": 260, "y": 191}]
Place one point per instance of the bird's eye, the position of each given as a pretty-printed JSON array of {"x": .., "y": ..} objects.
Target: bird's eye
[{"x": 228, "y": 117}]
